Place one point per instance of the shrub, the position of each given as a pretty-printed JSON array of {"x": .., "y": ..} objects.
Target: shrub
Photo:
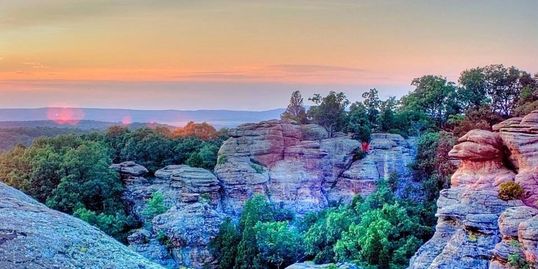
[
  {"x": 510, "y": 191},
  {"x": 154, "y": 206},
  {"x": 517, "y": 262}
]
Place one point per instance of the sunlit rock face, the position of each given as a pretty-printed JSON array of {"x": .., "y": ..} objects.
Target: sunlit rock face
[
  {"x": 34, "y": 236},
  {"x": 300, "y": 168},
  {"x": 475, "y": 228}
]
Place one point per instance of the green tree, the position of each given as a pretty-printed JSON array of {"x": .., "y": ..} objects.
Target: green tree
[
  {"x": 278, "y": 243},
  {"x": 322, "y": 234},
  {"x": 387, "y": 117},
  {"x": 329, "y": 111},
  {"x": 357, "y": 122},
  {"x": 434, "y": 95},
  {"x": 295, "y": 111},
  {"x": 256, "y": 209},
  {"x": 224, "y": 245},
  {"x": 87, "y": 178},
  {"x": 473, "y": 92},
  {"x": 372, "y": 104}
]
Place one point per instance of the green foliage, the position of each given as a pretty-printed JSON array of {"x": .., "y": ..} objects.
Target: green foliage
[
  {"x": 510, "y": 191},
  {"x": 435, "y": 96},
  {"x": 87, "y": 178},
  {"x": 154, "y": 206},
  {"x": 380, "y": 230},
  {"x": 115, "y": 225},
  {"x": 386, "y": 235},
  {"x": 70, "y": 173},
  {"x": 260, "y": 239},
  {"x": 358, "y": 122},
  {"x": 278, "y": 243},
  {"x": 224, "y": 245},
  {"x": 256, "y": 209},
  {"x": 432, "y": 166},
  {"x": 156, "y": 148},
  {"x": 329, "y": 111},
  {"x": 502, "y": 88},
  {"x": 325, "y": 231},
  {"x": 295, "y": 111},
  {"x": 516, "y": 261}
]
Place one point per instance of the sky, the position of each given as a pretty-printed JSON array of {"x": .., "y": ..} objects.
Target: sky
[{"x": 247, "y": 55}]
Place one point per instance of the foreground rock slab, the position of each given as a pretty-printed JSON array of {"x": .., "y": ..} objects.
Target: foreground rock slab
[{"x": 34, "y": 236}]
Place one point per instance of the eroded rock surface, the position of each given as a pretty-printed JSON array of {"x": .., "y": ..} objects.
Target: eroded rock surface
[
  {"x": 475, "y": 228},
  {"x": 180, "y": 236},
  {"x": 34, "y": 236},
  {"x": 301, "y": 168}
]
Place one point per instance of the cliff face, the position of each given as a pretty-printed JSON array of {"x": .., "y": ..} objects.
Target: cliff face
[
  {"x": 34, "y": 236},
  {"x": 301, "y": 168},
  {"x": 475, "y": 228},
  {"x": 297, "y": 167}
]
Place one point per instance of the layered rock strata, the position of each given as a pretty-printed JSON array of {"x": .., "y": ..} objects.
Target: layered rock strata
[
  {"x": 476, "y": 229},
  {"x": 34, "y": 236}
]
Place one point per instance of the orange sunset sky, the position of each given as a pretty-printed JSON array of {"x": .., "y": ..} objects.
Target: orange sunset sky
[{"x": 168, "y": 54}]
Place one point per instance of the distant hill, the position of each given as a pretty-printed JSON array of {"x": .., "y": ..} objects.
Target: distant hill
[{"x": 217, "y": 118}]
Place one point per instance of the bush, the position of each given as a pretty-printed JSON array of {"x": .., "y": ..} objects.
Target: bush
[
  {"x": 154, "y": 206},
  {"x": 115, "y": 225},
  {"x": 510, "y": 191},
  {"x": 517, "y": 262}
]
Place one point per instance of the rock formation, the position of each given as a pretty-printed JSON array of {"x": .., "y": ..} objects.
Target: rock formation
[
  {"x": 34, "y": 236},
  {"x": 475, "y": 228},
  {"x": 298, "y": 167},
  {"x": 180, "y": 236},
  {"x": 301, "y": 168}
]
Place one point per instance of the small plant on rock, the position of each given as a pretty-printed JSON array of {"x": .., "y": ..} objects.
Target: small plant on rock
[
  {"x": 510, "y": 191},
  {"x": 154, "y": 206},
  {"x": 516, "y": 261}
]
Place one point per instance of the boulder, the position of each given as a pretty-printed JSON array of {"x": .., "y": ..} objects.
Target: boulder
[{"x": 34, "y": 236}]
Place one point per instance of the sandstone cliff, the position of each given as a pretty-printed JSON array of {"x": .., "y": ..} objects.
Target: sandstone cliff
[
  {"x": 475, "y": 228},
  {"x": 34, "y": 236},
  {"x": 297, "y": 167}
]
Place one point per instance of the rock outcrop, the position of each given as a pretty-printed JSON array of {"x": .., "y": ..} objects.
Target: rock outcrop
[
  {"x": 297, "y": 167},
  {"x": 476, "y": 229},
  {"x": 181, "y": 235},
  {"x": 34, "y": 236},
  {"x": 301, "y": 168}
]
